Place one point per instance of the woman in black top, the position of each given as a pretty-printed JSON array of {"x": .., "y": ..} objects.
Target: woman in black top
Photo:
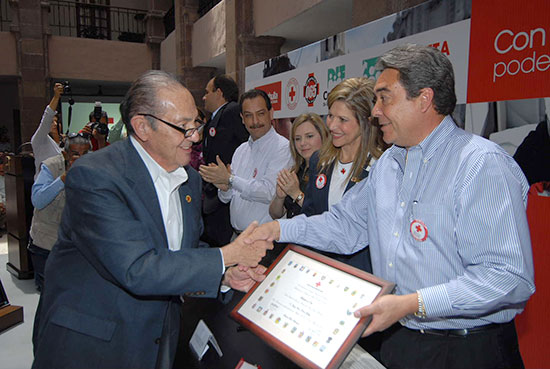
[{"x": 307, "y": 135}]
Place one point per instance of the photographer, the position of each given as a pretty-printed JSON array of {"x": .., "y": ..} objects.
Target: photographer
[
  {"x": 45, "y": 141},
  {"x": 97, "y": 128},
  {"x": 48, "y": 199}
]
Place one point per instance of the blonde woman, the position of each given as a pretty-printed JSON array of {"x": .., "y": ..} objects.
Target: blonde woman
[
  {"x": 356, "y": 142},
  {"x": 307, "y": 136}
]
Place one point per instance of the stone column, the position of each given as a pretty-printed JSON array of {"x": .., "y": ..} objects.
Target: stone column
[
  {"x": 30, "y": 26},
  {"x": 154, "y": 34},
  {"x": 242, "y": 46},
  {"x": 195, "y": 78}
]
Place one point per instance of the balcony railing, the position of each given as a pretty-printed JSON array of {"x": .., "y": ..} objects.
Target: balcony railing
[
  {"x": 206, "y": 5},
  {"x": 5, "y": 15},
  {"x": 105, "y": 22}
]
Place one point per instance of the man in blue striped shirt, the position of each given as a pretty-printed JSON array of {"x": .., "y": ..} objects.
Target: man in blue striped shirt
[{"x": 444, "y": 214}]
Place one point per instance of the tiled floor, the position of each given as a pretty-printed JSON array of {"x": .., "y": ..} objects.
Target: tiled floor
[{"x": 15, "y": 343}]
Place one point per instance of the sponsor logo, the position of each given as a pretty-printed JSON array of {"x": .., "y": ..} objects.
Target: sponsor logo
[
  {"x": 336, "y": 75},
  {"x": 291, "y": 93},
  {"x": 273, "y": 90},
  {"x": 369, "y": 69},
  {"x": 311, "y": 89}
]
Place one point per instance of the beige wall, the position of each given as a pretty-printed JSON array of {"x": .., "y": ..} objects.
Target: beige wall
[
  {"x": 71, "y": 57},
  {"x": 209, "y": 35},
  {"x": 8, "y": 61},
  {"x": 269, "y": 14},
  {"x": 365, "y": 11},
  {"x": 168, "y": 54}
]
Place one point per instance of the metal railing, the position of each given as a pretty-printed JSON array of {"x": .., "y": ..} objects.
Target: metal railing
[
  {"x": 206, "y": 5},
  {"x": 77, "y": 19},
  {"x": 5, "y": 15}
]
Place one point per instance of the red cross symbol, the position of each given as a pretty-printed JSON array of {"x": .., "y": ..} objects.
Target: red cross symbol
[
  {"x": 292, "y": 93},
  {"x": 418, "y": 228},
  {"x": 343, "y": 171},
  {"x": 318, "y": 284}
]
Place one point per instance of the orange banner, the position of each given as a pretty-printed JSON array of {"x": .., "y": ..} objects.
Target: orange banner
[{"x": 509, "y": 50}]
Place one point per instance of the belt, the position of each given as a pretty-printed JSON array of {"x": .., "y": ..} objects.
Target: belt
[{"x": 461, "y": 332}]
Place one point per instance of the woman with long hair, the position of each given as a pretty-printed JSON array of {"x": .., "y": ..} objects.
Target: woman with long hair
[
  {"x": 356, "y": 143},
  {"x": 307, "y": 135}
]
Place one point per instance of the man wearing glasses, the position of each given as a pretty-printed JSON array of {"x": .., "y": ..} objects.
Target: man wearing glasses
[{"x": 128, "y": 242}]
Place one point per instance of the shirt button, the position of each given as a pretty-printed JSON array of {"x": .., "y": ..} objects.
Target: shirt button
[
  {"x": 157, "y": 341},
  {"x": 396, "y": 234},
  {"x": 402, "y": 204},
  {"x": 390, "y": 265}
]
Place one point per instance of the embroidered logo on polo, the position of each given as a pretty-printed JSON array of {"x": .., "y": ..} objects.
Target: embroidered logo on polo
[
  {"x": 419, "y": 231},
  {"x": 321, "y": 181}
]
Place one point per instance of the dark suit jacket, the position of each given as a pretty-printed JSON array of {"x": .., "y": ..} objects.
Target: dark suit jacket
[
  {"x": 316, "y": 202},
  {"x": 111, "y": 281},
  {"x": 230, "y": 132}
]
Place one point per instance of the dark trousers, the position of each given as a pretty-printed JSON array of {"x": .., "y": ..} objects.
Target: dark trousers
[
  {"x": 217, "y": 226},
  {"x": 493, "y": 348},
  {"x": 39, "y": 257}
]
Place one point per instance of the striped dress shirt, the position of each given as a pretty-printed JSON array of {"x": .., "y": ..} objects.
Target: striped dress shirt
[{"x": 472, "y": 258}]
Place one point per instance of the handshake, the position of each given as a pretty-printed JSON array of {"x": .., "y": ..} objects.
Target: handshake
[{"x": 244, "y": 254}]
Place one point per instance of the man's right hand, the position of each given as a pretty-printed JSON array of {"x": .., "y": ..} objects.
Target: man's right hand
[
  {"x": 58, "y": 90},
  {"x": 267, "y": 232},
  {"x": 245, "y": 251}
]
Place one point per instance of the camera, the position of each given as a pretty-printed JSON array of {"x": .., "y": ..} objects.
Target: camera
[
  {"x": 102, "y": 128},
  {"x": 66, "y": 87}
]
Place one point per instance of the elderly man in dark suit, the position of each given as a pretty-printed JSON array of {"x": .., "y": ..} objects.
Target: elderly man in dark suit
[
  {"x": 128, "y": 242},
  {"x": 223, "y": 133}
]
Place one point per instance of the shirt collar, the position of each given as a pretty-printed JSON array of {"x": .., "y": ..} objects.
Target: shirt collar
[
  {"x": 218, "y": 109},
  {"x": 429, "y": 145},
  {"x": 174, "y": 178},
  {"x": 262, "y": 139}
]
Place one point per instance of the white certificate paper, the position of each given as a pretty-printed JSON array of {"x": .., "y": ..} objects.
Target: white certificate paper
[{"x": 308, "y": 305}]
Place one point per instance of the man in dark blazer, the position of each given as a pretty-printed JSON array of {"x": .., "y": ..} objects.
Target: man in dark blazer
[
  {"x": 128, "y": 242},
  {"x": 223, "y": 133}
]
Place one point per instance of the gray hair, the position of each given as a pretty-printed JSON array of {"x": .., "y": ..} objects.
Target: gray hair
[
  {"x": 78, "y": 139},
  {"x": 423, "y": 67},
  {"x": 142, "y": 96}
]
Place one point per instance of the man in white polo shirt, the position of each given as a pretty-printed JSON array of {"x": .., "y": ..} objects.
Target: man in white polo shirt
[{"x": 249, "y": 183}]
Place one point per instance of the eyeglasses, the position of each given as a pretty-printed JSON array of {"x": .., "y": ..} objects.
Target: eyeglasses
[
  {"x": 186, "y": 132},
  {"x": 78, "y": 134}
]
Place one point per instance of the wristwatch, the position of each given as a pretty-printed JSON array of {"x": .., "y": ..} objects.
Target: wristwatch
[
  {"x": 230, "y": 180},
  {"x": 421, "y": 313},
  {"x": 299, "y": 197}
]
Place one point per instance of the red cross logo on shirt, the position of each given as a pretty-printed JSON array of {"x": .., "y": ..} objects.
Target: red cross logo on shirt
[
  {"x": 419, "y": 231},
  {"x": 318, "y": 284},
  {"x": 343, "y": 171}
]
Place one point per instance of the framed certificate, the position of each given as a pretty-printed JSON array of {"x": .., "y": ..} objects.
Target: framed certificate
[{"x": 304, "y": 307}]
